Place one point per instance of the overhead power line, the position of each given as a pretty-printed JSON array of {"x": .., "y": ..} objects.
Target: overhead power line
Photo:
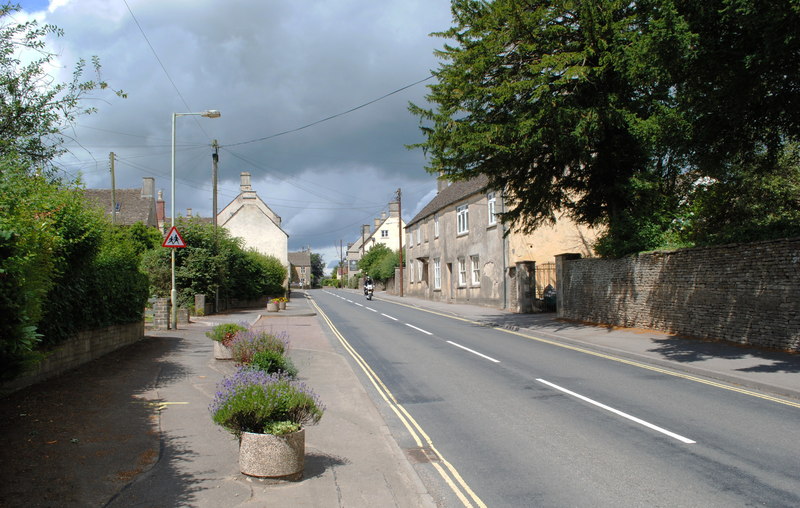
[{"x": 330, "y": 117}]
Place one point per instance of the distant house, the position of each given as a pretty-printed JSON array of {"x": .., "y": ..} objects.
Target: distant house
[
  {"x": 385, "y": 230},
  {"x": 458, "y": 251},
  {"x": 129, "y": 205},
  {"x": 300, "y": 263},
  {"x": 248, "y": 217}
]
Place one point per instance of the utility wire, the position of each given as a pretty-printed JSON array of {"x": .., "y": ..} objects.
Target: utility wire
[{"x": 332, "y": 116}]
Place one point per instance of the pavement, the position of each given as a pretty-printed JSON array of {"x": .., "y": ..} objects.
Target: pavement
[{"x": 133, "y": 428}]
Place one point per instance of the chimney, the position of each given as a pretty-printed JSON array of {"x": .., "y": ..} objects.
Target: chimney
[
  {"x": 245, "y": 187},
  {"x": 441, "y": 183},
  {"x": 160, "y": 213},
  {"x": 148, "y": 187},
  {"x": 189, "y": 212},
  {"x": 394, "y": 209},
  {"x": 365, "y": 231},
  {"x": 377, "y": 223}
]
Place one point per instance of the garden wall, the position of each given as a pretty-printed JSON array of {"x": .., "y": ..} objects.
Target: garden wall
[
  {"x": 745, "y": 293},
  {"x": 81, "y": 348}
]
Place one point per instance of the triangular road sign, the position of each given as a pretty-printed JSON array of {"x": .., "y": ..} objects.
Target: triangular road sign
[{"x": 173, "y": 239}]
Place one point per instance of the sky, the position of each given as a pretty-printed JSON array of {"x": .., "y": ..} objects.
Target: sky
[{"x": 277, "y": 70}]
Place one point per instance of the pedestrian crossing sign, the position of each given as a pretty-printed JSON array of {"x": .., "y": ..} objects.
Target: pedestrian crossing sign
[{"x": 173, "y": 239}]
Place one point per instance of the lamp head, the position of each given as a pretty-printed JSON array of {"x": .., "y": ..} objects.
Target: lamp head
[{"x": 211, "y": 113}]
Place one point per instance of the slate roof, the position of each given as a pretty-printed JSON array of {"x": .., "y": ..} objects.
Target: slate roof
[
  {"x": 453, "y": 193},
  {"x": 302, "y": 258},
  {"x": 133, "y": 207}
]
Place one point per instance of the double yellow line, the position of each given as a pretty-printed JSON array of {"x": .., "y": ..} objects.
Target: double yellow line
[{"x": 446, "y": 470}]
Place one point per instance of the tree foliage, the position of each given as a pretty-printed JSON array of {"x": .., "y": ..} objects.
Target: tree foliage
[
  {"x": 379, "y": 262},
  {"x": 213, "y": 261},
  {"x": 317, "y": 269},
  {"x": 609, "y": 110},
  {"x": 34, "y": 109}
]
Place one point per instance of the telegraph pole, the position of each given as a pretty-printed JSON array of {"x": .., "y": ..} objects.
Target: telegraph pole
[
  {"x": 214, "y": 163},
  {"x": 113, "y": 190},
  {"x": 400, "y": 230}
]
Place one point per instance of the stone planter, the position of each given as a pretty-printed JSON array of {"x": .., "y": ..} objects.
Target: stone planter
[
  {"x": 270, "y": 456},
  {"x": 282, "y": 305},
  {"x": 272, "y": 307},
  {"x": 222, "y": 352}
]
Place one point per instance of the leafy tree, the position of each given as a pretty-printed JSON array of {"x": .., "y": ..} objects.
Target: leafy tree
[
  {"x": 549, "y": 100},
  {"x": 32, "y": 115},
  {"x": 317, "y": 269},
  {"x": 379, "y": 262}
]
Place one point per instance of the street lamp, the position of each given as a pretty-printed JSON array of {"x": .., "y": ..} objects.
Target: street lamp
[{"x": 211, "y": 113}]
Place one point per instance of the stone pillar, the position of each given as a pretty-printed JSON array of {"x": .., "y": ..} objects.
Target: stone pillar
[
  {"x": 526, "y": 279},
  {"x": 562, "y": 281},
  {"x": 199, "y": 305},
  {"x": 161, "y": 314}
]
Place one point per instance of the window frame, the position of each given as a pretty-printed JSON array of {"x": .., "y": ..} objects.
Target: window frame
[
  {"x": 437, "y": 273},
  {"x": 475, "y": 270},
  {"x": 491, "y": 205},
  {"x": 462, "y": 272},
  {"x": 462, "y": 219}
]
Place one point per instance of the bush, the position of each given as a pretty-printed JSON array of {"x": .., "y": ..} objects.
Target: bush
[
  {"x": 225, "y": 333},
  {"x": 249, "y": 342},
  {"x": 254, "y": 401},
  {"x": 273, "y": 362}
]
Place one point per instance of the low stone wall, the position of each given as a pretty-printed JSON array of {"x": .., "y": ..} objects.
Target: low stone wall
[
  {"x": 82, "y": 348},
  {"x": 744, "y": 293}
]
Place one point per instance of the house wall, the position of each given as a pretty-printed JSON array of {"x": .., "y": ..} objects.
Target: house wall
[
  {"x": 259, "y": 232},
  {"x": 482, "y": 240},
  {"x": 745, "y": 293},
  {"x": 548, "y": 241}
]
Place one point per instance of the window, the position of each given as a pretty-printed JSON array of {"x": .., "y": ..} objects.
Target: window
[
  {"x": 410, "y": 240},
  {"x": 384, "y": 233},
  {"x": 419, "y": 235},
  {"x": 476, "y": 270},
  {"x": 419, "y": 271},
  {"x": 462, "y": 272},
  {"x": 491, "y": 201},
  {"x": 436, "y": 226},
  {"x": 437, "y": 274},
  {"x": 462, "y": 219},
  {"x": 410, "y": 271}
]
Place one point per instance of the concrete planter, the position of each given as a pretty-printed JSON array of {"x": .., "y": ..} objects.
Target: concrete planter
[
  {"x": 282, "y": 305},
  {"x": 272, "y": 307},
  {"x": 222, "y": 352},
  {"x": 270, "y": 456}
]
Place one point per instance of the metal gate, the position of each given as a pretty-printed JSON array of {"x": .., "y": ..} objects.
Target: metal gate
[{"x": 544, "y": 288}]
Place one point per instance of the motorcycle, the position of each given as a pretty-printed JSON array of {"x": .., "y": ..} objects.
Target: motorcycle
[{"x": 368, "y": 289}]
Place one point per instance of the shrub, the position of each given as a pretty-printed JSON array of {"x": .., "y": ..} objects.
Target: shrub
[
  {"x": 272, "y": 362},
  {"x": 249, "y": 342},
  {"x": 225, "y": 333},
  {"x": 254, "y": 401}
]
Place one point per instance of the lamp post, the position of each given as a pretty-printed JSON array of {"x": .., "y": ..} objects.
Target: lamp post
[{"x": 211, "y": 113}]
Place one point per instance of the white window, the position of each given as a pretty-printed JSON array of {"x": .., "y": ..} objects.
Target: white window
[
  {"x": 491, "y": 201},
  {"x": 462, "y": 219},
  {"x": 384, "y": 233},
  {"x": 476, "y": 270},
  {"x": 436, "y": 226},
  {"x": 437, "y": 274},
  {"x": 410, "y": 240},
  {"x": 462, "y": 272},
  {"x": 419, "y": 271},
  {"x": 410, "y": 266},
  {"x": 419, "y": 235}
]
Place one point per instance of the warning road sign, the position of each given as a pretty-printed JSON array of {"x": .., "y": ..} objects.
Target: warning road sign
[{"x": 173, "y": 239}]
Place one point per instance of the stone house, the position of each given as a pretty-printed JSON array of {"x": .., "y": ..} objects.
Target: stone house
[
  {"x": 130, "y": 205},
  {"x": 458, "y": 251},
  {"x": 249, "y": 218},
  {"x": 300, "y": 275},
  {"x": 385, "y": 230}
]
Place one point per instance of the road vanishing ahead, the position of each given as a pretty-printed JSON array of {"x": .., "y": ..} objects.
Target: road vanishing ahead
[{"x": 505, "y": 420}]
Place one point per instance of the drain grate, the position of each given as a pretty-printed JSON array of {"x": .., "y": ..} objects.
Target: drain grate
[{"x": 422, "y": 455}]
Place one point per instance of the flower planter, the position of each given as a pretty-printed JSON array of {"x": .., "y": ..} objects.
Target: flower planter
[
  {"x": 282, "y": 305},
  {"x": 272, "y": 307},
  {"x": 222, "y": 352},
  {"x": 270, "y": 456}
]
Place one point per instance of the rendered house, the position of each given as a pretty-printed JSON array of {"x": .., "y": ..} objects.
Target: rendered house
[
  {"x": 458, "y": 251},
  {"x": 248, "y": 217},
  {"x": 385, "y": 230},
  {"x": 300, "y": 262}
]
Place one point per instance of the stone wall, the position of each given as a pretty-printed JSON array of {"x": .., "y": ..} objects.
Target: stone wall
[
  {"x": 81, "y": 348},
  {"x": 744, "y": 293}
]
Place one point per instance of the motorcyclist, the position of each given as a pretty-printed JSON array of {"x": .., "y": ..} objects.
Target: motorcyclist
[{"x": 368, "y": 284}]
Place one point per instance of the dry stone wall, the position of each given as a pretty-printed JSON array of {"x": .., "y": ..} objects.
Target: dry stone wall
[{"x": 745, "y": 293}]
